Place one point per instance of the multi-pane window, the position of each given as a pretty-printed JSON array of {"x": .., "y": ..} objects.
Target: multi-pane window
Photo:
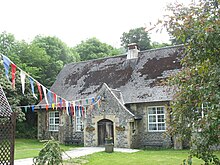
[
  {"x": 54, "y": 121},
  {"x": 156, "y": 119},
  {"x": 79, "y": 123}
]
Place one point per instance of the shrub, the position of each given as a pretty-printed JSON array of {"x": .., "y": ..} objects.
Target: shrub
[{"x": 51, "y": 154}]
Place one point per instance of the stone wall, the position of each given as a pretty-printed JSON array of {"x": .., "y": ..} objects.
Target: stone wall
[
  {"x": 142, "y": 138},
  {"x": 129, "y": 131},
  {"x": 43, "y": 130},
  {"x": 113, "y": 110},
  {"x": 66, "y": 128}
]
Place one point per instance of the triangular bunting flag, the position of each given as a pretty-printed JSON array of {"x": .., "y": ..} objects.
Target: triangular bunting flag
[
  {"x": 22, "y": 75},
  {"x": 39, "y": 90},
  {"x": 50, "y": 97},
  {"x": 6, "y": 63},
  {"x": 32, "y": 87},
  {"x": 32, "y": 108},
  {"x": 13, "y": 71},
  {"x": 67, "y": 108},
  {"x": 45, "y": 94}
]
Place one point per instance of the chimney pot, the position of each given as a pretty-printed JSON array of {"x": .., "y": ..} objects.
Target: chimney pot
[{"x": 132, "y": 51}]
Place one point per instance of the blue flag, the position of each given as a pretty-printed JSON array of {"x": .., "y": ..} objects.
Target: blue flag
[
  {"x": 77, "y": 110},
  {"x": 50, "y": 97},
  {"x": 60, "y": 103},
  {"x": 6, "y": 63},
  {"x": 32, "y": 108},
  {"x": 93, "y": 100}
]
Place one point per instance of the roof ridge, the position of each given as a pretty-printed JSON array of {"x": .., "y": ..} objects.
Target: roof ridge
[
  {"x": 121, "y": 55},
  {"x": 162, "y": 48}
]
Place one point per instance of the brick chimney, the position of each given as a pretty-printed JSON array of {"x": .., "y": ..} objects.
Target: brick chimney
[{"x": 132, "y": 51}]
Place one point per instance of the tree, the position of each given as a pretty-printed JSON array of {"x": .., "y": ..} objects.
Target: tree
[
  {"x": 93, "y": 49},
  {"x": 59, "y": 55},
  {"x": 7, "y": 43},
  {"x": 196, "y": 105},
  {"x": 138, "y": 36},
  {"x": 10, "y": 47},
  {"x": 156, "y": 45}
]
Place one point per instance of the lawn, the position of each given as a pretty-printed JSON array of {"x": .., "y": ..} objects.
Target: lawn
[
  {"x": 144, "y": 157},
  {"x": 29, "y": 148}
]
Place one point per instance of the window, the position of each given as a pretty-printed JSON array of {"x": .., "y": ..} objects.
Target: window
[
  {"x": 156, "y": 119},
  {"x": 79, "y": 123},
  {"x": 53, "y": 121}
]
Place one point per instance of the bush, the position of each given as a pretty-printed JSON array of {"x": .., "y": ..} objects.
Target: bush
[
  {"x": 25, "y": 130},
  {"x": 51, "y": 154}
]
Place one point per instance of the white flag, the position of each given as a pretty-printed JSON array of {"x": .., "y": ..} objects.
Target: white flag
[
  {"x": 23, "y": 75},
  {"x": 45, "y": 94},
  {"x": 67, "y": 108},
  {"x": 74, "y": 108}
]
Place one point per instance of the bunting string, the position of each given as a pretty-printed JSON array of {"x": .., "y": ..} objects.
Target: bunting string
[{"x": 70, "y": 107}]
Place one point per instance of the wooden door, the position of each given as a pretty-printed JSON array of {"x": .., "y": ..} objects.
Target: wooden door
[{"x": 105, "y": 130}]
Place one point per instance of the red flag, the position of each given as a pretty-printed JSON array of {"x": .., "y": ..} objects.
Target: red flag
[
  {"x": 47, "y": 106},
  {"x": 83, "y": 111},
  {"x": 40, "y": 91},
  {"x": 54, "y": 97},
  {"x": 64, "y": 105},
  {"x": 72, "y": 109},
  {"x": 13, "y": 70}
]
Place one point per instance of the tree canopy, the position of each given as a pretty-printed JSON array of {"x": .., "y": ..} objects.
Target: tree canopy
[
  {"x": 138, "y": 36},
  {"x": 43, "y": 59},
  {"x": 93, "y": 49},
  {"x": 57, "y": 53},
  {"x": 196, "y": 105}
]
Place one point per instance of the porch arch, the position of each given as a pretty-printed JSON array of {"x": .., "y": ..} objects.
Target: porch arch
[{"x": 105, "y": 130}]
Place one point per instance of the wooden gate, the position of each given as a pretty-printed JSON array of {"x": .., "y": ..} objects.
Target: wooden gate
[
  {"x": 105, "y": 130},
  {"x": 7, "y": 131}
]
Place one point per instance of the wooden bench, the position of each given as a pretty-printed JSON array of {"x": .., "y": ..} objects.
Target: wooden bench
[
  {"x": 71, "y": 140},
  {"x": 153, "y": 144}
]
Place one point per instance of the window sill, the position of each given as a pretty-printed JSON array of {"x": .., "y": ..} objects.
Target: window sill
[{"x": 156, "y": 130}]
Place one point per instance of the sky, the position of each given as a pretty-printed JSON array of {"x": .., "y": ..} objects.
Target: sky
[{"x": 75, "y": 20}]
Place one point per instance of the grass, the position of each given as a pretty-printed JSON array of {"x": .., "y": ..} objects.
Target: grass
[
  {"x": 144, "y": 157},
  {"x": 29, "y": 148}
]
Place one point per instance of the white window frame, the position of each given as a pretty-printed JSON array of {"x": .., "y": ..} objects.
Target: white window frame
[
  {"x": 79, "y": 125},
  {"x": 156, "y": 116},
  {"x": 53, "y": 124}
]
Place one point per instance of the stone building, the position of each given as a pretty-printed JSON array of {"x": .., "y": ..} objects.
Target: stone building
[{"x": 132, "y": 102}]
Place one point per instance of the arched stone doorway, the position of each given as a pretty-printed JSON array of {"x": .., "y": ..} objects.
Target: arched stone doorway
[{"x": 105, "y": 130}]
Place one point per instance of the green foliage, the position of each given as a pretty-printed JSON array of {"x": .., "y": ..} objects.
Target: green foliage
[
  {"x": 57, "y": 55},
  {"x": 51, "y": 154},
  {"x": 138, "y": 36},
  {"x": 24, "y": 130},
  {"x": 15, "y": 96},
  {"x": 42, "y": 59},
  {"x": 156, "y": 45},
  {"x": 28, "y": 128},
  {"x": 7, "y": 43},
  {"x": 93, "y": 49},
  {"x": 196, "y": 108}
]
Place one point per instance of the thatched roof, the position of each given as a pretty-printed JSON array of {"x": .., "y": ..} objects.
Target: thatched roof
[{"x": 138, "y": 79}]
